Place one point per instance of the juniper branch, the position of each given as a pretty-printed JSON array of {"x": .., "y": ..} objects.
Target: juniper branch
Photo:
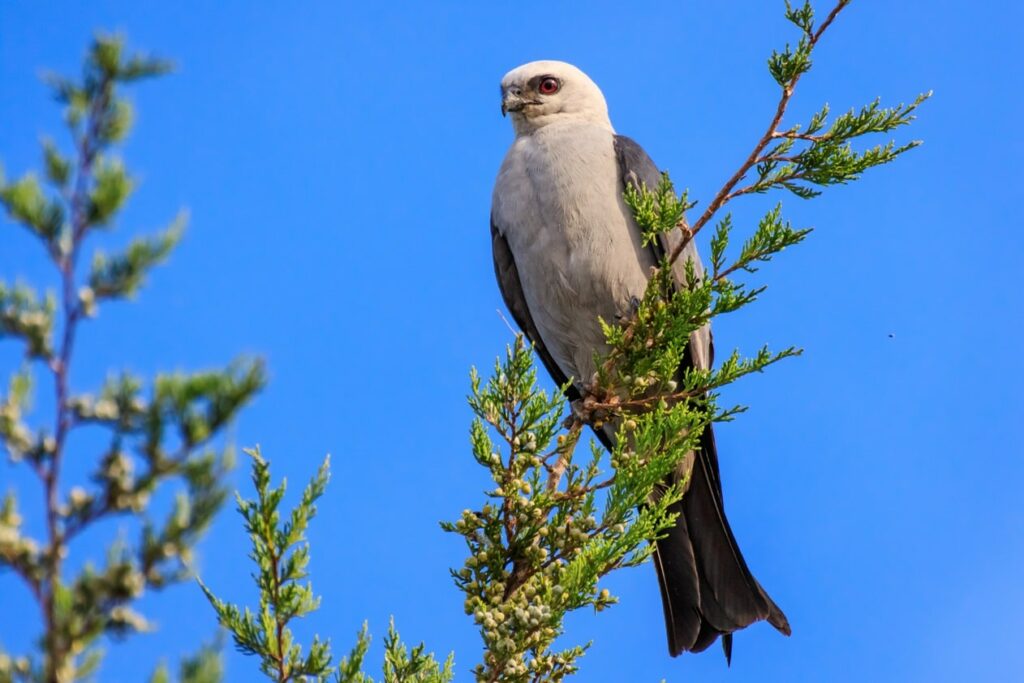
[{"x": 280, "y": 551}]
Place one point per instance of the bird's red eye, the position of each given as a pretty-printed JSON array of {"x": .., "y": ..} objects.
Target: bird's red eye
[{"x": 549, "y": 86}]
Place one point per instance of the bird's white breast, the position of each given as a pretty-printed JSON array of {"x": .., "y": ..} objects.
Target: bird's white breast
[{"x": 558, "y": 202}]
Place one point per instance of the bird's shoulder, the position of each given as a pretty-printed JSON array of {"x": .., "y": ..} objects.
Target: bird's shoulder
[{"x": 635, "y": 164}]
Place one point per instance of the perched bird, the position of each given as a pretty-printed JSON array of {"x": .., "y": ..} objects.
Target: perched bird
[{"x": 568, "y": 251}]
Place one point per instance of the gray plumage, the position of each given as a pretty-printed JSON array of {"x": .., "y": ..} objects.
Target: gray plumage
[{"x": 566, "y": 252}]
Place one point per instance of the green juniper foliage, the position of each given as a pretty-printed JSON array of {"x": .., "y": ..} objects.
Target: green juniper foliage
[
  {"x": 203, "y": 667},
  {"x": 157, "y": 436},
  {"x": 404, "y": 666},
  {"x": 540, "y": 546},
  {"x": 555, "y": 523},
  {"x": 281, "y": 553}
]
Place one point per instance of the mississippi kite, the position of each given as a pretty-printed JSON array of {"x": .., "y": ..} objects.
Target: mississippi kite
[{"x": 566, "y": 252}]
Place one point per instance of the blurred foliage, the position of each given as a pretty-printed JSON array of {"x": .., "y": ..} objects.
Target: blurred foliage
[{"x": 158, "y": 435}]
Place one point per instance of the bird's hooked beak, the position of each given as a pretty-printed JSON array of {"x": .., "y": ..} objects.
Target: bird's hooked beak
[{"x": 512, "y": 99}]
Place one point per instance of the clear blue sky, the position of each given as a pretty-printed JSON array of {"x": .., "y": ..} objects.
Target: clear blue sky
[{"x": 337, "y": 159}]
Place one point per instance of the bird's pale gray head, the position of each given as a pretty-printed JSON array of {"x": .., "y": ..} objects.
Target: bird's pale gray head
[{"x": 541, "y": 93}]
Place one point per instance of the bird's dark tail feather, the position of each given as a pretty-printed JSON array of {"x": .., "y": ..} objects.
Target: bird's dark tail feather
[{"x": 706, "y": 588}]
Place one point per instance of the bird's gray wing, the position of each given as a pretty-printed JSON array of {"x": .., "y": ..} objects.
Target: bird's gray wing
[
  {"x": 699, "y": 556},
  {"x": 636, "y": 168},
  {"x": 512, "y": 292}
]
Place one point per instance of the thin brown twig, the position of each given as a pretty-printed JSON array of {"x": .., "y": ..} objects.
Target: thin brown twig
[
  {"x": 740, "y": 265},
  {"x": 754, "y": 187},
  {"x": 778, "y": 157},
  {"x": 279, "y": 656},
  {"x": 556, "y": 471},
  {"x": 60, "y": 366},
  {"x": 508, "y": 521},
  {"x": 725, "y": 193},
  {"x": 793, "y": 135},
  {"x": 582, "y": 490}
]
